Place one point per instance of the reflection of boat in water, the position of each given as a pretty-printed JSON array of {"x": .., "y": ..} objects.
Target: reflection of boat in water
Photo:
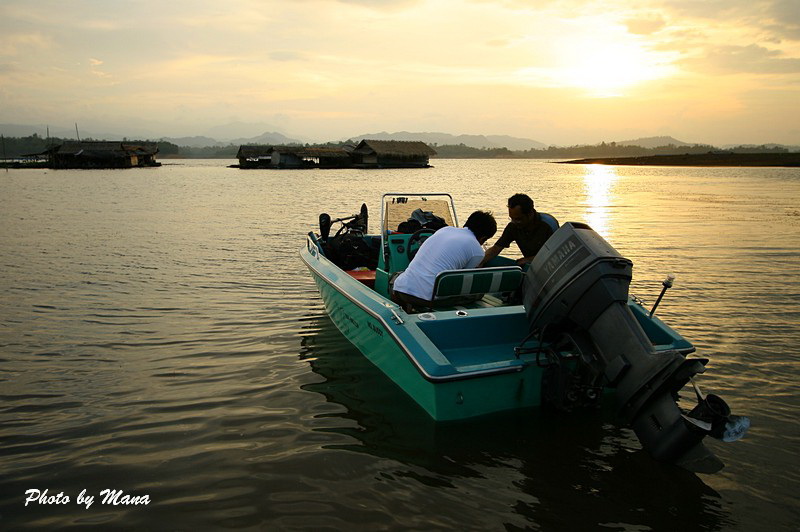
[
  {"x": 529, "y": 464},
  {"x": 577, "y": 332}
]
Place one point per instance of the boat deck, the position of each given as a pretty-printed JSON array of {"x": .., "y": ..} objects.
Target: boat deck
[{"x": 476, "y": 336}]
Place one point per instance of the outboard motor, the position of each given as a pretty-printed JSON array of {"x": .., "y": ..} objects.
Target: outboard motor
[{"x": 577, "y": 288}]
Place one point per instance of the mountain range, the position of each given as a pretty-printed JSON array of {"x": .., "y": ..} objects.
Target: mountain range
[
  {"x": 273, "y": 138},
  {"x": 653, "y": 142},
  {"x": 222, "y": 136},
  {"x": 472, "y": 141}
]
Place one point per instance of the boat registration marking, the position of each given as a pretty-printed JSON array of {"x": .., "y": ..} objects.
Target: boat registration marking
[{"x": 374, "y": 328}]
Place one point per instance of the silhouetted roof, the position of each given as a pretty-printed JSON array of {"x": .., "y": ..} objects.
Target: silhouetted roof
[
  {"x": 74, "y": 147},
  {"x": 302, "y": 151},
  {"x": 394, "y": 147},
  {"x": 249, "y": 150}
]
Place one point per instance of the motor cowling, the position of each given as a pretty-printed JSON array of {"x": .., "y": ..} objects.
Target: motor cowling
[{"x": 577, "y": 286}]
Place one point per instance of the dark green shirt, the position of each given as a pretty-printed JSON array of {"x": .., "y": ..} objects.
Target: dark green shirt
[{"x": 529, "y": 237}]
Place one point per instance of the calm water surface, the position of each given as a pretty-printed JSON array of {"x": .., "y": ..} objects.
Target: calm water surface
[{"x": 159, "y": 335}]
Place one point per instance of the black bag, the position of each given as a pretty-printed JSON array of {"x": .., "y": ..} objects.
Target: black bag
[
  {"x": 435, "y": 223},
  {"x": 409, "y": 227},
  {"x": 349, "y": 251}
]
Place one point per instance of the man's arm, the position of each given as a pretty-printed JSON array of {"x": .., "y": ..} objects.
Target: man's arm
[
  {"x": 502, "y": 243},
  {"x": 491, "y": 253}
]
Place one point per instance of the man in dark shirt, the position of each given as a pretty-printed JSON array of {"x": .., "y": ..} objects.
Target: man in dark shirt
[{"x": 527, "y": 229}]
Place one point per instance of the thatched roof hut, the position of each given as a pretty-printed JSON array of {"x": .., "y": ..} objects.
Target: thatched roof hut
[
  {"x": 368, "y": 154},
  {"x": 103, "y": 154},
  {"x": 392, "y": 154},
  {"x": 253, "y": 151}
]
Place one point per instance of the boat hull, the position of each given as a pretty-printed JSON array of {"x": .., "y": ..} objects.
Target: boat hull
[{"x": 455, "y": 364}]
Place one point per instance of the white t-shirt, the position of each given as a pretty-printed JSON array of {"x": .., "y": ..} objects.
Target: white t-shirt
[{"x": 449, "y": 248}]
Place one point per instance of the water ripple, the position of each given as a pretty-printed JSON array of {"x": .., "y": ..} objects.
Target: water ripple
[{"x": 160, "y": 335}]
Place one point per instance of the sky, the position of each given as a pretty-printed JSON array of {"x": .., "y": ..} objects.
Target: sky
[{"x": 560, "y": 72}]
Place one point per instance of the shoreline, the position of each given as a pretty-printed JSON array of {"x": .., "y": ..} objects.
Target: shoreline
[{"x": 700, "y": 159}]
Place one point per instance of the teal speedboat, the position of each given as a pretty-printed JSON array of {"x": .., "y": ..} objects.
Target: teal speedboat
[{"x": 560, "y": 333}]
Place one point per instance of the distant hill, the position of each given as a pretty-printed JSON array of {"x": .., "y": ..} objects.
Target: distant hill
[
  {"x": 235, "y": 134},
  {"x": 515, "y": 143},
  {"x": 194, "y": 142},
  {"x": 241, "y": 131},
  {"x": 472, "y": 141},
  {"x": 273, "y": 138},
  {"x": 268, "y": 138},
  {"x": 654, "y": 142}
]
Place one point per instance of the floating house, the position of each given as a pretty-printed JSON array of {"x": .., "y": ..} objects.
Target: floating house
[
  {"x": 368, "y": 154},
  {"x": 102, "y": 154},
  {"x": 294, "y": 157},
  {"x": 306, "y": 157},
  {"x": 392, "y": 154}
]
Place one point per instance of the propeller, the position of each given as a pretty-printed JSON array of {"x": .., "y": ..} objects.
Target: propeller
[{"x": 713, "y": 415}]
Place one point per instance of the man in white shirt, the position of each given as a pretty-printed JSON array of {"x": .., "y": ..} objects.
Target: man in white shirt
[{"x": 449, "y": 248}]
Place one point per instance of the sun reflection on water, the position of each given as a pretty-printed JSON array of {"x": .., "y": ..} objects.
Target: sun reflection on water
[{"x": 599, "y": 187}]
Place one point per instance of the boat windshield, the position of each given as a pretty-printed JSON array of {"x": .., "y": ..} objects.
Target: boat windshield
[{"x": 398, "y": 208}]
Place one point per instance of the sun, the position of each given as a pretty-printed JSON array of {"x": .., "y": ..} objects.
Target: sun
[
  {"x": 600, "y": 68},
  {"x": 606, "y": 70}
]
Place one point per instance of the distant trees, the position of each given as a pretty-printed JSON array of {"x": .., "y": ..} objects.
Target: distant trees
[
  {"x": 462, "y": 151},
  {"x": 207, "y": 152},
  {"x": 603, "y": 149},
  {"x": 167, "y": 148},
  {"x": 16, "y": 147}
]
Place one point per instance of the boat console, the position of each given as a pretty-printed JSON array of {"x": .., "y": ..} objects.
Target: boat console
[{"x": 576, "y": 293}]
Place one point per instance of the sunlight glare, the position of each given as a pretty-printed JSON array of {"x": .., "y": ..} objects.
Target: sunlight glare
[
  {"x": 598, "y": 184},
  {"x": 607, "y": 69}
]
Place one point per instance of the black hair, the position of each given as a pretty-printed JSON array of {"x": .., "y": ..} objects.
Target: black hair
[
  {"x": 523, "y": 201},
  {"x": 482, "y": 224}
]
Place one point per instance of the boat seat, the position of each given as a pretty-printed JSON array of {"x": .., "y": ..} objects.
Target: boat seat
[
  {"x": 366, "y": 277},
  {"x": 476, "y": 281}
]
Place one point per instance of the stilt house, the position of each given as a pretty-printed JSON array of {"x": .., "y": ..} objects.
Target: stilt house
[
  {"x": 102, "y": 154},
  {"x": 392, "y": 154},
  {"x": 308, "y": 157}
]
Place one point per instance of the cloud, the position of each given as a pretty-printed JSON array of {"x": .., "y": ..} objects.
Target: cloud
[
  {"x": 498, "y": 43},
  {"x": 325, "y": 64},
  {"x": 287, "y": 55},
  {"x": 786, "y": 14},
  {"x": 768, "y": 20},
  {"x": 15, "y": 43},
  {"x": 94, "y": 68},
  {"x": 645, "y": 25},
  {"x": 390, "y": 5},
  {"x": 8, "y": 68},
  {"x": 752, "y": 59}
]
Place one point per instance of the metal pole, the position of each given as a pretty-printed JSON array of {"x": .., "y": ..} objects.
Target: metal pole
[{"x": 667, "y": 284}]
